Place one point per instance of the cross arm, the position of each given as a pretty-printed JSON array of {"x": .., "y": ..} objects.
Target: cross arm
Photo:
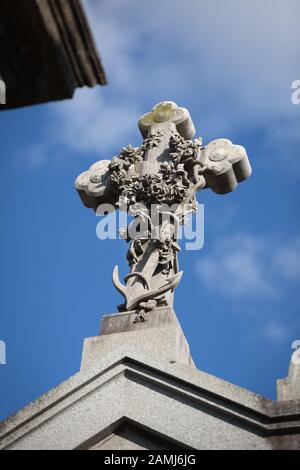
[
  {"x": 94, "y": 186},
  {"x": 226, "y": 165}
]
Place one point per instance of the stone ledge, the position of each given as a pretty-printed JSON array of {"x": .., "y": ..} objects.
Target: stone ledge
[
  {"x": 142, "y": 373},
  {"x": 137, "y": 386},
  {"x": 125, "y": 321},
  {"x": 47, "y": 51}
]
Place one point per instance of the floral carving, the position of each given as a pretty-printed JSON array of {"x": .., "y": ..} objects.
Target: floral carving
[
  {"x": 172, "y": 182},
  {"x": 153, "y": 140},
  {"x": 167, "y": 169}
]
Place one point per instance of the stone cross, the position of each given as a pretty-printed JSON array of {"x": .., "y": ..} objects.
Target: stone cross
[{"x": 157, "y": 184}]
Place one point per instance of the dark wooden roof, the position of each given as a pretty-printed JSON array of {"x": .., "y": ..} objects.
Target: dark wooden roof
[{"x": 47, "y": 51}]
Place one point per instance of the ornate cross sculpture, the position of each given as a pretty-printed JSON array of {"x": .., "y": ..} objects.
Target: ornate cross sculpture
[{"x": 157, "y": 184}]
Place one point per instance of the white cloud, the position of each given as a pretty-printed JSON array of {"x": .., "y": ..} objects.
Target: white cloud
[
  {"x": 90, "y": 123},
  {"x": 287, "y": 261},
  {"x": 236, "y": 268},
  {"x": 247, "y": 266},
  {"x": 32, "y": 156},
  {"x": 234, "y": 55},
  {"x": 230, "y": 62},
  {"x": 275, "y": 332},
  {"x": 279, "y": 148}
]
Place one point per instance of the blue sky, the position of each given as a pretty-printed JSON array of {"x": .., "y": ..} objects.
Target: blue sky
[{"x": 231, "y": 63}]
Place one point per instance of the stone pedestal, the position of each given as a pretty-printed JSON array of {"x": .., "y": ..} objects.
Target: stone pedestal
[
  {"x": 289, "y": 388},
  {"x": 160, "y": 337},
  {"x": 138, "y": 388}
]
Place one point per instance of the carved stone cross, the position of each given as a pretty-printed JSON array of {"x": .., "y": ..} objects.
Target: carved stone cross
[{"x": 157, "y": 184}]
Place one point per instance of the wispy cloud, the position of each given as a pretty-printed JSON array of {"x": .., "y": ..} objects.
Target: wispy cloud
[
  {"x": 89, "y": 123},
  {"x": 275, "y": 332},
  {"x": 236, "y": 268},
  {"x": 287, "y": 261},
  {"x": 246, "y": 266},
  {"x": 189, "y": 49},
  {"x": 32, "y": 156},
  {"x": 231, "y": 63}
]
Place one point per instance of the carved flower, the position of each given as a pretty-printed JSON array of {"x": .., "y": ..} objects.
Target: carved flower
[
  {"x": 116, "y": 163},
  {"x": 118, "y": 178},
  {"x": 155, "y": 189},
  {"x": 167, "y": 168},
  {"x": 137, "y": 186},
  {"x": 183, "y": 151},
  {"x": 189, "y": 152},
  {"x": 175, "y": 140},
  {"x": 146, "y": 181},
  {"x": 131, "y": 154},
  {"x": 180, "y": 191}
]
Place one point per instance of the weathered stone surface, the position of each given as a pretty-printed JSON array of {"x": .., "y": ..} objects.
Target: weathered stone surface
[
  {"x": 289, "y": 388},
  {"x": 159, "y": 337},
  {"x": 156, "y": 183},
  {"x": 128, "y": 435},
  {"x": 47, "y": 51},
  {"x": 143, "y": 388}
]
